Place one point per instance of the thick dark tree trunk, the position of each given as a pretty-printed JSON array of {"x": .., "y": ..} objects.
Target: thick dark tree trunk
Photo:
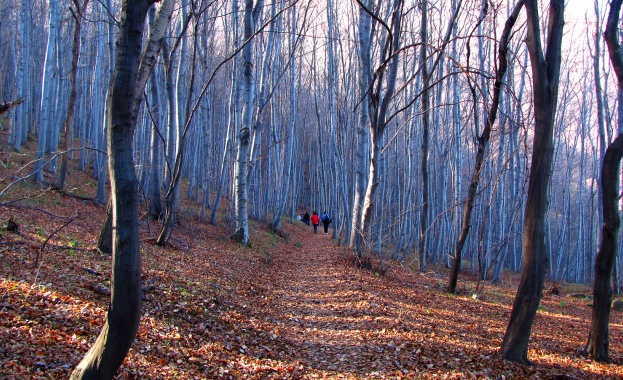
[
  {"x": 597, "y": 345},
  {"x": 112, "y": 345},
  {"x": 132, "y": 68},
  {"x": 483, "y": 140},
  {"x": 425, "y": 136},
  {"x": 546, "y": 78}
]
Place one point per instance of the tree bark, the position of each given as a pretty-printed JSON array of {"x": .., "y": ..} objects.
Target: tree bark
[
  {"x": 597, "y": 345},
  {"x": 241, "y": 234},
  {"x": 44, "y": 122},
  {"x": 380, "y": 105},
  {"x": 69, "y": 118},
  {"x": 483, "y": 140},
  {"x": 546, "y": 76},
  {"x": 282, "y": 197},
  {"x": 363, "y": 134},
  {"x": 131, "y": 72},
  {"x": 425, "y": 135}
]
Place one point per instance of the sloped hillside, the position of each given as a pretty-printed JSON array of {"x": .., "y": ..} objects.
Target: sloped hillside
[{"x": 294, "y": 308}]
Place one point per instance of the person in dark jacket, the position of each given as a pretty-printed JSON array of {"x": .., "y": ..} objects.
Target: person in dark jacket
[
  {"x": 325, "y": 222},
  {"x": 306, "y": 218}
]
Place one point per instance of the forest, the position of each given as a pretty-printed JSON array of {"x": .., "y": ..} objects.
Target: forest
[{"x": 479, "y": 140}]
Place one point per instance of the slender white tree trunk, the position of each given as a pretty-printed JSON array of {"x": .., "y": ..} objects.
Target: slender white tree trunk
[
  {"x": 241, "y": 234},
  {"x": 46, "y": 100},
  {"x": 363, "y": 129},
  {"x": 289, "y": 148}
]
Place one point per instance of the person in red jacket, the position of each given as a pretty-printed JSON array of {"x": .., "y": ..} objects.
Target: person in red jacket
[{"x": 315, "y": 221}]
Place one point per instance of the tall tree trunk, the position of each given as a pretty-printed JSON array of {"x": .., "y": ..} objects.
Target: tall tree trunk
[
  {"x": 333, "y": 118},
  {"x": 381, "y": 93},
  {"x": 132, "y": 69},
  {"x": 233, "y": 121},
  {"x": 241, "y": 234},
  {"x": 425, "y": 135},
  {"x": 483, "y": 140},
  {"x": 601, "y": 118},
  {"x": 289, "y": 147},
  {"x": 172, "y": 195},
  {"x": 102, "y": 158},
  {"x": 69, "y": 118},
  {"x": 363, "y": 134},
  {"x": 546, "y": 78},
  {"x": 597, "y": 344},
  {"x": 22, "y": 115},
  {"x": 155, "y": 172},
  {"x": 45, "y": 123}
]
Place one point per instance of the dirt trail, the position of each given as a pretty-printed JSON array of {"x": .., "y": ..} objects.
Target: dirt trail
[
  {"x": 324, "y": 310},
  {"x": 313, "y": 313}
]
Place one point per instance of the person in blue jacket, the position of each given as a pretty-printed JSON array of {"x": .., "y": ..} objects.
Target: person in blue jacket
[{"x": 325, "y": 222}]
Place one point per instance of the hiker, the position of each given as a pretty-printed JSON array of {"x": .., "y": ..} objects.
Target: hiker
[
  {"x": 315, "y": 221},
  {"x": 326, "y": 221},
  {"x": 306, "y": 218}
]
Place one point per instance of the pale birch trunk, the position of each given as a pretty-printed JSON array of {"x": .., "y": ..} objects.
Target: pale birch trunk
[
  {"x": 46, "y": 100},
  {"x": 241, "y": 234},
  {"x": 382, "y": 94},
  {"x": 233, "y": 123},
  {"x": 289, "y": 148},
  {"x": 363, "y": 128},
  {"x": 155, "y": 169},
  {"x": 22, "y": 114}
]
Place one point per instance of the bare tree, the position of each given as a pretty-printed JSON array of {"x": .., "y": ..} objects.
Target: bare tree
[
  {"x": 251, "y": 14},
  {"x": 598, "y": 342},
  {"x": 77, "y": 15},
  {"x": 46, "y": 101},
  {"x": 483, "y": 140},
  {"x": 545, "y": 81},
  {"x": 132, "y": 69},
  {"x": 363, "y": 132}
]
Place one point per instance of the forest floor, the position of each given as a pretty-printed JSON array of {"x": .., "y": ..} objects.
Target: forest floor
[{"x": 284, "y": 308}]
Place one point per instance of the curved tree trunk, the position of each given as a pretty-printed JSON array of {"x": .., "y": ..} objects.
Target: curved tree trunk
[
  {"x": 597, "y": 345},
  {"x": 546, "y": 77},
  {"x": 381, "y": 102},
  {"x": 483, "y": 140},
  {"x": 112, "y": 345},
  {"x": 69, "y": 118}
]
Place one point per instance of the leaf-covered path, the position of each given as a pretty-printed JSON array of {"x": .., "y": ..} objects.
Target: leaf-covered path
[
  {"x": 294, "y": 308},
  {"x": 321, "y": 306},
  {"x": 326, "y": 318}
]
